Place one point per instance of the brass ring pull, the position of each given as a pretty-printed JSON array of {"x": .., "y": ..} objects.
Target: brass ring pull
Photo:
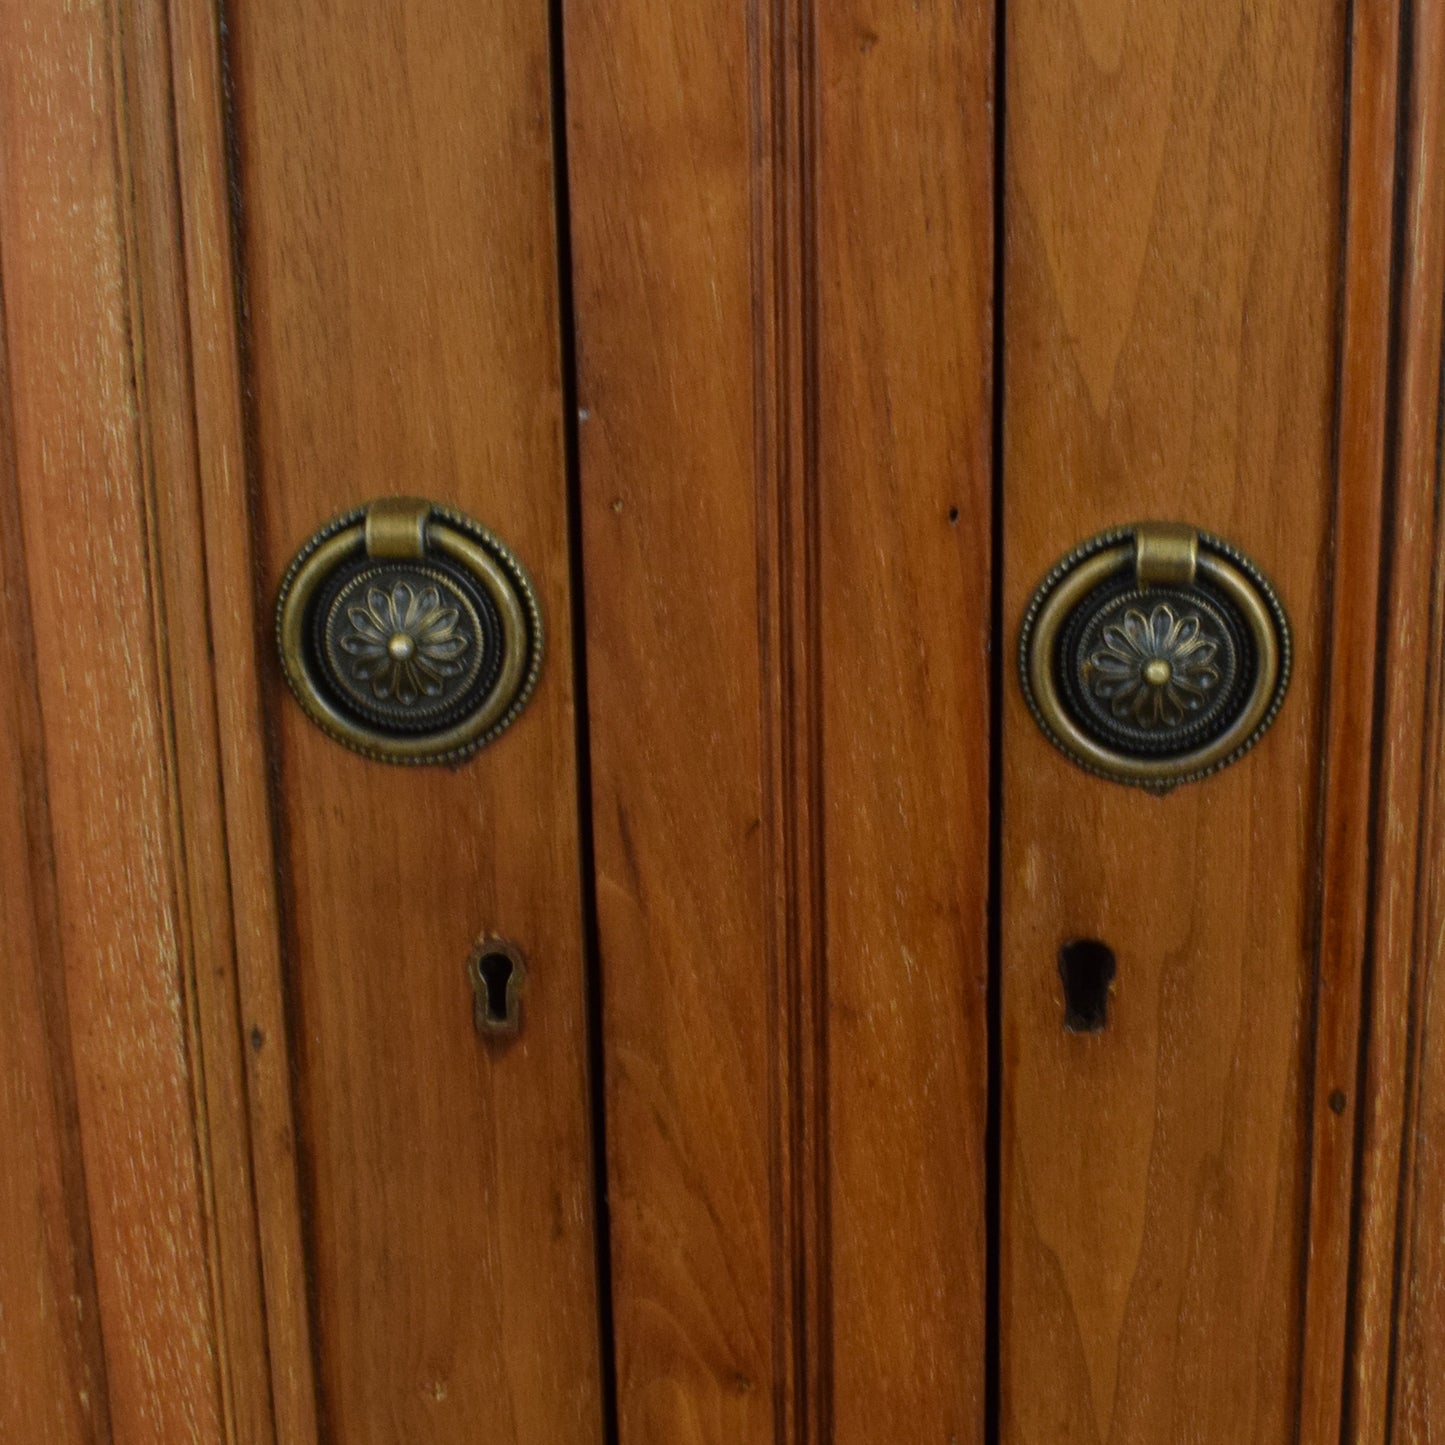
[
  {"x": 409, "y": 632},
  {"x": 1154, "y": 655}
]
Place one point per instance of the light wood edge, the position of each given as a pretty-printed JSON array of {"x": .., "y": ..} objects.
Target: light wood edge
[
  {"x": 203, "y": 171},
  {"x": 1345, "y": 782},
  {"x": 181, "y": 638},
  {"x": 85, "y": 1363},
  {"x": 158, "y": 1304}
]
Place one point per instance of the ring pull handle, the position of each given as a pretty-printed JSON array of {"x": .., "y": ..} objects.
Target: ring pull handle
[
  {"x": 1154, "y": 655},
  {"x": 409, "y": 632}
]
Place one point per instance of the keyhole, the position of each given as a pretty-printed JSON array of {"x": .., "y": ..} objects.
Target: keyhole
[
  {"x": 1087, "y": 969},
  {"x": 497, "y": 974}
]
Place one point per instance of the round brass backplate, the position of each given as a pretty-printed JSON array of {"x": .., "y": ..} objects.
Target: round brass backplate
[
  {"x": 409, "y": 632},
  {"x": 1154, "y": 655}
]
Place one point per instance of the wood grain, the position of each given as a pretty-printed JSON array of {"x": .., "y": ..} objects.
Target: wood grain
[
  {"x": 1417, "y": 1389},
  {"x": 903, "y": 377},
  {"x": 398, "y": 268},
  {"x": 671, "y": 228},
  {"x": 1347, "y": 779},
  {"x": 52, "y": 1365},
  {"x": 183, "y": 622},
  {"x": 202, "y": 171},
  {"x": 1411, "y": 991},
  {"x": 116, "y": 953},
  {"x": 782, "y": 238},
  {"x": 262, "y": 1182},
  {"x": 1418, "y": 1386},
  {"x": 1172, "y": 215},
  {"x": 1397, "y": 1383}
]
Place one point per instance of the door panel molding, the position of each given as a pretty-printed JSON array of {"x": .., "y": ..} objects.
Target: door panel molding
[
  {"x": 240, "y": 632},
  {"x": 1396, "y": 1338},
  {"x": 1347, "y": 776},
  {"x": 784, "y": 258},
  {"x": 133, "y": 968}
]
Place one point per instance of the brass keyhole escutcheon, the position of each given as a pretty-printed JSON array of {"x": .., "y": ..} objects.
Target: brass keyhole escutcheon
[
  {"x": 1154, "y": 655},
  {"x": 497, "y": 972},
  {"x": 409, "y": 632}
]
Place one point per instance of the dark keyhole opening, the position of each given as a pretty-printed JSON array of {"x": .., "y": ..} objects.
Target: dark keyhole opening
[
  {"x": 495, "y": 971},
  {"x": 1087, "y": 969}
]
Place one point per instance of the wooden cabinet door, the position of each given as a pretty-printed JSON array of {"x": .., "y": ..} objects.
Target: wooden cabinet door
[
  {"x": 1169, "y": 332},
  {"x": 881, "y": 310},
  {"x": 789, "y": 346},
  {"x": 261, "y": 264}
]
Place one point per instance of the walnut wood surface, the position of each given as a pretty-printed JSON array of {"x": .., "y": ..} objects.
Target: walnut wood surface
[
  {"x": 1347, "y": 798},
  {"x": 127, "y": 1311},
  {"x": 52, "y": 1370},
  {"x": 1414, "y": 1346},
  {"x": 782, "y": 237},
  {"x": 1397, "y": 1365},
  {"x": 677, "y": 359},
  {"x": 237, "y": 633},
  {"x": 1417, "y": 1388},
  {"x": 1400, "y": 1361},
  {"x": 1172, "y": 218},
  {"x": 261, "y": 1182},
  {"x": 393, "y": 168},
  {"x": 902, "y": 355}
]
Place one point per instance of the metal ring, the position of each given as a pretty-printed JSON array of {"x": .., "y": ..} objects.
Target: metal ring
[
  {"x": 1096, "y": 563},
  {"x": 379, "y": 532}
]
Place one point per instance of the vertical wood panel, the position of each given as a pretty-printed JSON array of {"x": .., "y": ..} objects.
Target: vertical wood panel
[
  {"x": 1397, "y": 1370},
  {"x": 782, "y": 235},
  {"x": 183, "y": 624},
  {"x": 904, "y": 258},
  {"x": 72, "y": 238},
  {"x": 1413, "y": 1344},
  {"x": 1417, "y": 1390},
  {"x": 52, "y": 1366},
  {"x": 1348, "y": 774},
  {"x": 1419, "y": 1384},
  {"x": 238, "y": 634},
  {"x": 393, "y": 168},
  {"x": 671, "y": 155},
  {"x": 1172, "y": 184}
]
